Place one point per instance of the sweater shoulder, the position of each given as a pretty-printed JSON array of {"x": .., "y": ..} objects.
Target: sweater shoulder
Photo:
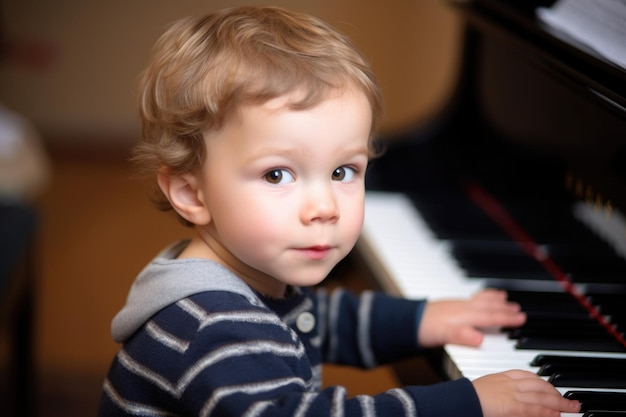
[{"x": 214, "y": 316}]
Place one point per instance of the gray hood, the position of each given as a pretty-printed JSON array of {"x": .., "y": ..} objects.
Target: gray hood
[{"x": 166, "y": 280}]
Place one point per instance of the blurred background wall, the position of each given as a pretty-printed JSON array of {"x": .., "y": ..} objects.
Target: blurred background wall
[
  {"x": 82, "y": 92},
  {"x": 71, "y": 70}
]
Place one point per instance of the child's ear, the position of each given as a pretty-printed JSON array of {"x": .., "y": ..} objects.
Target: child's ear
[{"x": 185, "y": 196}]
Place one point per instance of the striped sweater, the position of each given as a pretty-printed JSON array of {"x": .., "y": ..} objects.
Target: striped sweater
[{"x": 197, "y": 341}]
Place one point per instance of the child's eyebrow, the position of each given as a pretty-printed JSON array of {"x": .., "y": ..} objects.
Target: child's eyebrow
[
  {"x": 275, "y": 151},
  {"x": 271, "y": 150},
  {"x": 357, "y": 151},
  {"x": 287, "y": 152}
]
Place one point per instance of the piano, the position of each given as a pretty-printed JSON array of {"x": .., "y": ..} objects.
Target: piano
[{"x": 519, "y": 184}]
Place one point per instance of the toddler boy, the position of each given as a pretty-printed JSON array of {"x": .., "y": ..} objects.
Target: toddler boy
[{"x": 258, "y": 125}]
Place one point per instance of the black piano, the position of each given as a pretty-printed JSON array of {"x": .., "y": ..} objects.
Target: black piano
[{"x": 519, "y": 184}]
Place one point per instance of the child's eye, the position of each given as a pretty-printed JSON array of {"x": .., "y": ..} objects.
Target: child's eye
[
  {"x": 343, "y": 174},
  {"x": 278, "y": 176}
]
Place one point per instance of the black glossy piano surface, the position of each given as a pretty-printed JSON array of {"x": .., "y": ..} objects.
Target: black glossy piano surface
[{"x": 532, "y": 145}]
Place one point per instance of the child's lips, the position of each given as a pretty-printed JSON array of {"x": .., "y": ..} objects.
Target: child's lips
[{"x": 315, "y": 252}]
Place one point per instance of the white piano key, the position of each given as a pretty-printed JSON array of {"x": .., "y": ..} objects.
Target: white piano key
[{"x": 563, "y": 390}]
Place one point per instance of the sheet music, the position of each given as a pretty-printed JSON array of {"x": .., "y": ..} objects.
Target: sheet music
[{"x": 597, "y": 24}]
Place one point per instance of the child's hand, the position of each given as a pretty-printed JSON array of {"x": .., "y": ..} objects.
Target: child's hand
[
  {"x": 520, "y": 394},
  {"x": 458, "y": 321}
]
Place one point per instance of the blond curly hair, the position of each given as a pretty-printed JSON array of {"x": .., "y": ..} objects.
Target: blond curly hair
[{"x": 204, "y": 68}]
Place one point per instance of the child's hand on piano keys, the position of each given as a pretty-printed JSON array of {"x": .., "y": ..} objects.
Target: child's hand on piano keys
[
  {"x": 520, "y": 394},
  {"x": 460, "y": 321}
]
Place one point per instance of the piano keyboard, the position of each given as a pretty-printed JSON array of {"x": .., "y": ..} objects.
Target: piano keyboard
[{"x": 408, "y": 260}]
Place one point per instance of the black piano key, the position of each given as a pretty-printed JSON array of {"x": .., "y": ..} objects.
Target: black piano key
[
  {"x": 589, "y": 345},
  {"x": 562, "y": 327},
  {"x": 591, "y": 268},
  {"x": 486, "y": 265},
  {"x": 553, "y": 368},
  {"x": 587, "y": 380},
  {"x": 615, "y": 300},
  {"x": 560, "y": 332},
  {"x": 610, "y": 304},
  {"x": 586, "y": 322},
  {"x": 598, "y": 400},
  {"x": 543, "y": 359},
  {"x": 595, "y": 413},
  {"x": 537, "y": 302},
  {"x": 534, "y": 297},
  {"x": 574, "y": 315},
  {"x": 487, "y": 261},
  {"x": 539, "y": 331},
  {"x": 550, "y": 222},
  {"x": 458, "y": 218},
  {"x": 561, "y": 320}
]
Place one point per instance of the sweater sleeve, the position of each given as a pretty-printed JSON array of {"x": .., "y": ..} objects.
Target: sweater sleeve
[{"x": 369, "y": 329}]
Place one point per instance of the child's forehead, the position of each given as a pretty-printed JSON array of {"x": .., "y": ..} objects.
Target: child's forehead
[
  {"x": 254, "y": 113},
  {"x": 336, "y": 101},
  {"x": 298, "y": 99},
  {"x": 284, "y": 111}
]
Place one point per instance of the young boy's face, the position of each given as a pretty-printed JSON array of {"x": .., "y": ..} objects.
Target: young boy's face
[{"x": 284, "y": 190}]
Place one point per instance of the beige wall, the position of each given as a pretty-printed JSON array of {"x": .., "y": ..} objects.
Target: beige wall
[{"x": 87, "y": 94}]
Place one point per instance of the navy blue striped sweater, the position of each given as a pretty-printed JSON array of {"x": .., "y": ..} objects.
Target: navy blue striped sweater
[{"x": 197, "y": 341}]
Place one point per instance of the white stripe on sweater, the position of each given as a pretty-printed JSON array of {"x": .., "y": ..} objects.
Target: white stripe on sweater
[
  {"x": 165, "y": 338},
  {"x": 132, "y": 407},
  {"x": 406, "y": 401},
  {"x": 364, "y": 324},
  {"x": 210, "y": 359},
  {"x": 250, "y": 389}
]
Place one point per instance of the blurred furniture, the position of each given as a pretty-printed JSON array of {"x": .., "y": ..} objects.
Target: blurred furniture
[{"x": 18, "y": 226}]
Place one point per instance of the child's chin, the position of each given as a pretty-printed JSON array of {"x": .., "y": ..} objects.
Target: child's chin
[{"x": 310, "y": 281}]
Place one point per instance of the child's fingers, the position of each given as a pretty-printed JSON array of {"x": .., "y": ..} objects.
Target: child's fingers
[
  {"x": 537, "y": 392},
  {"x": 518, "y": 393},
  {"x": 540, "y": 403}
]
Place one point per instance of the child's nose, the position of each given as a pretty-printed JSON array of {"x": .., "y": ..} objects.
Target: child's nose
[{"x": 320, "y": 206}]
